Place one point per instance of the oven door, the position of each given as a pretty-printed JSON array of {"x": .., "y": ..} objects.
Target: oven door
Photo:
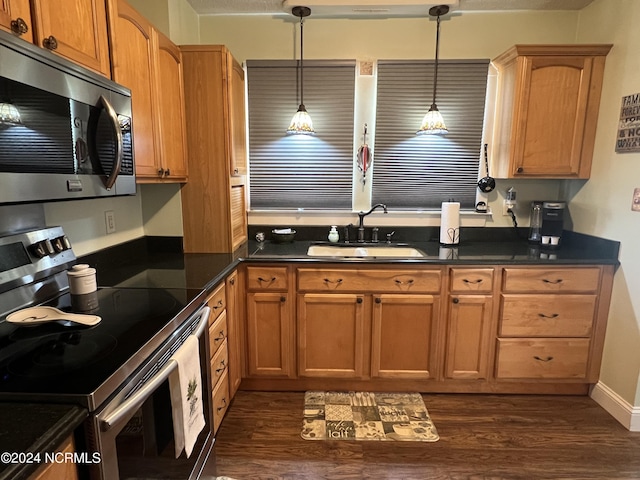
[{"x": 133, "y": 432}]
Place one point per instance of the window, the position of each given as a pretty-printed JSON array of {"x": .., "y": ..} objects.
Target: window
[
  {"x": 421, "y": 171},
  {"x": 300, "y": 171}
]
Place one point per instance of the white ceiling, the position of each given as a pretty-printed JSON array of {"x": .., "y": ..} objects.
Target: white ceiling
[{"x": 399, "y": 7}]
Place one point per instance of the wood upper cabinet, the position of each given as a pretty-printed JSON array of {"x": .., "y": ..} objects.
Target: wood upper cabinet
[
  {"x": 214, "y": 201},
  {"x": 75, "y": 29},
  {"x": 549, "y": 97},
  {"x": 15, "y": 17},
  {"x": 146, "y": 62}
]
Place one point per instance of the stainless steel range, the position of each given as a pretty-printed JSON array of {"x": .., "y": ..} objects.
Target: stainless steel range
[{"x": 117, "y": 369}]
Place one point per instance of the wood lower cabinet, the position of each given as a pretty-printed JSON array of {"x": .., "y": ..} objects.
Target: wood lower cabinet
[
  {"x": 332, "y": 335},
  {"x": 150, "y": 65},
  {"x": 547, "y": 117},
  {"x": 551, "y": 323},
  {"x": 469, "y": 324},
  {"x": 214, "y": 212},
  {"x": 74, "y": 29},
  {"x": 15, "y": 17},
  {"x": 235, "y": 312},
  {"x": 404, "y": 336},
  {"x": 59, "y": 470},
  {"x": 269, "y": 326},
  {"x": 218, "y": 336}
]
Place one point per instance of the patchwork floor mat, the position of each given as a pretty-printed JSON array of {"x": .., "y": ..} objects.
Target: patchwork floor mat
[{"x": 367, "y": 416}]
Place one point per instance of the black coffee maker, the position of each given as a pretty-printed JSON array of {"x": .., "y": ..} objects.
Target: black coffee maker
[{"x": 552, "y": 223}]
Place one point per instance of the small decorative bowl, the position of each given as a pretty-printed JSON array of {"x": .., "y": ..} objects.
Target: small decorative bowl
[{"x": 279, "y": 237}]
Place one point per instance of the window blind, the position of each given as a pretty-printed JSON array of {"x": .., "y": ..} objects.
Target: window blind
[
  {"x": 421, "y": 171},
  {"x": 300, "y": 171}
]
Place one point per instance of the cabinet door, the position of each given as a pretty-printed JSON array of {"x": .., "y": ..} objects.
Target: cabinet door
[
  {"x": 75, "y": 29},
  {"x": 133, "y": 43},
  {"x": 331, "y": 335},
  {"x": 237, "y": 126},
  {"x": 15, "y": 17},
  {"x": 171, "y": 109},
  {"x": 404, "y": 336},
  {"x": 269, "y": 335},
  {"x": 235, "y": 333},
  {"x": 238, "y": 216},
  {"x": 468, "y": 344}
]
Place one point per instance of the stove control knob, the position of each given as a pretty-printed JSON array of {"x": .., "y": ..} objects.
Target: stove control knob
[
  {"x": 48, "y": 247},
  {"x": 65, "y": 242},
  {"x": 38, "y": 249},
  {"x": 60, "y": 244}
]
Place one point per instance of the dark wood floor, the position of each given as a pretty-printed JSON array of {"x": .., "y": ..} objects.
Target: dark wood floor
[{"x": 481, "y": 437}]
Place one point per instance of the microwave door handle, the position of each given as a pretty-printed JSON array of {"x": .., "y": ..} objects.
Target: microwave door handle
[
  {"x": 113, "y": 116},
  {"x": 132, "y": 403}
]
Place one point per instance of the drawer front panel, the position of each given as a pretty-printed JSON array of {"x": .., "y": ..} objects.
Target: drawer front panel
[
  {"x": 217, "y": 333},
  {"x": 221, "y": 401},
  {"x": 464, "y": 280},
  {"x": 547, "y": 315},
  {"x": 273, "y": 279},
  {"x": 542, "y": 358},
  {"x": 367, "y": 281},
  {"x": 217, "y": 302},
  {"x": 219, "y": 364},
  {"x": 569, "y": 280}
]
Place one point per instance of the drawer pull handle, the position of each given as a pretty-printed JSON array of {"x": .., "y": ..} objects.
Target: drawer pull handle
[
  {"x": 337, "y": 282},
  {"x": 220, "y": 336},
  {"x": 19, "y": 26},
  {"x": 540, "y": 359},
  {"x": 224, "y": 405},
  {"x": 554, "y": 282},
  {"x": 220, "y": 304},
  {"x": 273, "y": 279},
  {"x": 400, "y": 282},
  {"x": 553, "y": 315},
  {"x": 50, "y": 42},
  {"x": 479, "y": 280},
  {"x": 222, "y": 367}
]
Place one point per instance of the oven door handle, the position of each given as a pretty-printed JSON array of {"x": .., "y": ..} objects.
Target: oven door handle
[{"x": 134, "y": 402}]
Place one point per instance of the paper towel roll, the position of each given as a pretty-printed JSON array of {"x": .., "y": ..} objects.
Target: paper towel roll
[{"x": 450, "y": 223}]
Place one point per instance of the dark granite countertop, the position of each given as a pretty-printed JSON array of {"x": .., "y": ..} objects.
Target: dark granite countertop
[{"x": 32, "y": 428}]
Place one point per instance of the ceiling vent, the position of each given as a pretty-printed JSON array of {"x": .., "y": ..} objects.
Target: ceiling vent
[{"x": 370, "y": 8}]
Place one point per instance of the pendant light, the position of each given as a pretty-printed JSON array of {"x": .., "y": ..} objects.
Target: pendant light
[
  {"x": 301, "y": 123},
  {"x": 9, "y": 114},
  {"x": 433, "y": 123}
]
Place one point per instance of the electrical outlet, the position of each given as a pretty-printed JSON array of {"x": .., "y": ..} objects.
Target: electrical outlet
[
  {"x": 635, "y": 205},
  {"x": 110, "y": 221},
  {"x": 506, "y": 205}
]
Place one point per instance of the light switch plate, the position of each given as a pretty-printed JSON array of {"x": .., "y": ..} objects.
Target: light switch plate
[
  {"x": 110, "y": 221},
  {"x": 635, "y": 205}
]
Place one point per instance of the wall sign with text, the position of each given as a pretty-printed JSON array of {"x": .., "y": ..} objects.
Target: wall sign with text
[{"x": 629, "y": 127}]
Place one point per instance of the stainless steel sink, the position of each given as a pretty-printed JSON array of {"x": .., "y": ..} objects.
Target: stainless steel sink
[{"x": 368, "y": 251}]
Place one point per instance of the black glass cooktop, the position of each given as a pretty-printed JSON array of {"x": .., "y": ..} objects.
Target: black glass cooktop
[{"x": 67, "y": 362}]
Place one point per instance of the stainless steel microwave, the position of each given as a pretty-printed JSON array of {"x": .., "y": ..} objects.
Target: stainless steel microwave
[{"x": 65, "y": 132}]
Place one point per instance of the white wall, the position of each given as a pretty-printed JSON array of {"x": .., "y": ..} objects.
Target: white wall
[{"x": 602, "y": 206}]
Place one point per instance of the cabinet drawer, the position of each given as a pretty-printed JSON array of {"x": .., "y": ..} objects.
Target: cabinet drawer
[
  {"x": 542, "y": 358},
  {"x": 217, "y": 302},
  {"x": 217, "y": 333},
  {"x": 531, "y": 280},
  {"x": 267, "y": 278},
  {"x": 547, "y": 315},
  {"x": 463, "y": 280},
  {"x": 220, "y": 401},
  {"x": 367, "y": 281},
  {"x": 219, "y": 364}
]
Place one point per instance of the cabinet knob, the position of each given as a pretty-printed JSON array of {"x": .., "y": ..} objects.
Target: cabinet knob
[
  {"x": 50, "y": 42},
  {"x": 167, "y": 172},
  {"x": 378, "y": 300},
  {"x": 19, "y": 26},
  {"x": 283, "y": 299},
  {"x": 359, "y": 300},
  {"x": 161, "y": 172},
  {"x": 520, "y": 170},
  {"x": 456, "y": 300},
  {"x": 232, "y": 281},
  {"x": 235, "y": 171}
]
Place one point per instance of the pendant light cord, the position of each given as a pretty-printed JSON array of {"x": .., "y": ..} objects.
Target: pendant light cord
[
  {"x": 435, "y": 75},
  {"x": 301, "y": 62}
]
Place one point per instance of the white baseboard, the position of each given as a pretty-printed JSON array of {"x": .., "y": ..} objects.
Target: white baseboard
[{"x": 619, "y": 408}]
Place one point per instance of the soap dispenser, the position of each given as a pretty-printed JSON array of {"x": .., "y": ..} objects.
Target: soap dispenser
[{"x": 334, "y": 236}]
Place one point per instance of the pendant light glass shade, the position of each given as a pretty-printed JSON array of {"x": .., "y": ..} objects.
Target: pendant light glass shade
[
  {"x": 301, "y": 123},
  {"x": 9, "y": 114},
  {"x": 433, "y": 123}
]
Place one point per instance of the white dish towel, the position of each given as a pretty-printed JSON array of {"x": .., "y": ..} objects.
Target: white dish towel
[{"x": 185, "y": 384}]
